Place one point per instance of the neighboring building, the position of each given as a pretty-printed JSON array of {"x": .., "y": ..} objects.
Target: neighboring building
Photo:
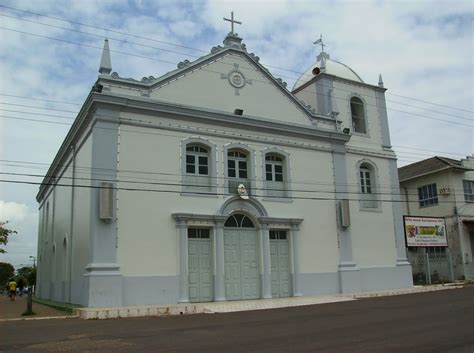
[
  {"x": 142, "y": 203},
  {"x": 443, "y": 187}
]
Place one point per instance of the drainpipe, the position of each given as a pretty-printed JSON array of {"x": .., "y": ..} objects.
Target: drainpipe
[{"x": 71, "y": 229}]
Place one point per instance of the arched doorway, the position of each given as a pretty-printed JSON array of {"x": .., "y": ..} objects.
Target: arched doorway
[{"x": 242, "y": 275}]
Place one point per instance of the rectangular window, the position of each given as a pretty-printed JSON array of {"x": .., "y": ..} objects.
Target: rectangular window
[
  {"x": 203, "y": 169},
  {"x": 365, "y": 186},
  {"x": 198, "y": 233},
  {"x": 468, "y": 186},
  {"x": 428, "y": 195},
  {"x": 190, "y": 167},
  {"x": 231, "y": 168},
  {"x": 278, "y": 172},
  {"x": 278, "y": 234},
  {"x": 242, "y": 169},
  {"x": 268, "y": 172}
]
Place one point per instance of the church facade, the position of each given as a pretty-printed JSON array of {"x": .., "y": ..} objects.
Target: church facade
[{"x": 216, "y": 182}]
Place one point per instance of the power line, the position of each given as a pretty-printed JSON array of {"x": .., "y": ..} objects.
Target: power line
[
  {"x": 139, "y": 132},
  {"x": 396, "y": 146},
  {"x": 186, "y": 47},
  {"x": 32, "y": 106},
  {"x": 199, "y": 193},
  {"x": 125, "y": 130},
  {"x": 39, "y": 99},
  {"x": 216, "y": 72},
  {"x": 102, "y": 28},
  {"x": 179, "y": 184}
]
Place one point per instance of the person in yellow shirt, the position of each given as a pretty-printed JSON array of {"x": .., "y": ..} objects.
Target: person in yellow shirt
[{"x": 12, "y": 289}]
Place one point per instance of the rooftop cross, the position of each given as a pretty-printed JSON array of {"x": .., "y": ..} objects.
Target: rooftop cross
[
  {"x": 232, "y": 21},
  {"x": 320, "y": 41}
]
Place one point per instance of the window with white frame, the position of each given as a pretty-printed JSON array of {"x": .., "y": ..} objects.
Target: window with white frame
[
  {"x": 274, "y": 175},
  {"x": 358, "y": 115},
  {"x": 237, "y": 170},
  {"x": 468, "y": 186},
  {"x": 428, "y": 195},
  {"x": 367, "y": 186},
  {"x": 197, "y": 168}
]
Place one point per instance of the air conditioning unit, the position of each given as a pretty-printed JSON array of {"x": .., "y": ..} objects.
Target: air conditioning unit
[
  {"x": 345, "y": 213},
  {"x": 444, "y": 191},
  {"x": 106, "y": 202}
]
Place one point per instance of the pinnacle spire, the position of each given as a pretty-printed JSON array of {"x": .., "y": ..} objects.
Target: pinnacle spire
[
  {"x": 105, "y": 63},
  {"x": 380, "y": 80}
]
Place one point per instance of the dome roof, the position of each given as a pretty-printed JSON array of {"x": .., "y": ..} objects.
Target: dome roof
[{"x": 330, "y": 67}]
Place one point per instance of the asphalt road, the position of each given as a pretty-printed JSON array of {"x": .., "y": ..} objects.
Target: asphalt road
[{"x": 441, "y": 321}]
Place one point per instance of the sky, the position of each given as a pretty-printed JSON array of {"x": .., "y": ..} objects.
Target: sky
[{"x": 50, "y": 53}]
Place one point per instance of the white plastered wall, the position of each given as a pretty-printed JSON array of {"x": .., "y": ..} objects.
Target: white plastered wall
[
  {"x": 205, "y": 88},
  {"x": 372, "y": 231},
  {"x": 147, "y": 234}
]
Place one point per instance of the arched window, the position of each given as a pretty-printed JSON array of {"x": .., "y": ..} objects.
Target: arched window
[
  {"x": 238, "y": 221},
  {"x": 237, "y": 170},
  {"x": 197, "y": 168},
  {"x": 358, "y": 115},
  {"x": 275, "y": 175},
  {"x": 367, "y": 186}
]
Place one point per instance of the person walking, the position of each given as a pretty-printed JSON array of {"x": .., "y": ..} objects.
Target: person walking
[{"x": 12, "y": 289}]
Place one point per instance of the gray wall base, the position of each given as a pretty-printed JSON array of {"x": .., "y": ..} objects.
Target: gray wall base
[
  {"x": 103, "y": 289},
  {"x": 318, "y": 283},
  {"x": 380, "y": 278},
  {"x": 150, "y": 290},
  {"x": 349, "y": 279}
]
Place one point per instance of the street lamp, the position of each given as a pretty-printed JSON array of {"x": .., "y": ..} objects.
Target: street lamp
[{"x": 34, "y": 260}]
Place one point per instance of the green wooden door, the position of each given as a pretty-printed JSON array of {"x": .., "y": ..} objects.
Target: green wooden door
[
  {"x": 280, "y": 264},
  {"x": 200, "y": 270},
  {"x": 242, "y": 280}
]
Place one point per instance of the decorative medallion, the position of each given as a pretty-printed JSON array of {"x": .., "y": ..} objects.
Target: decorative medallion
[
  {"x": 242, "y": 190},
  {"x": 236, "y": 78}
]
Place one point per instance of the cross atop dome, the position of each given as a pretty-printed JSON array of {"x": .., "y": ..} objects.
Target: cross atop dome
[
  {"x": 322, "y": 55},
  {"x": 232, "y": 21},
  {"x": 320, "y": 42}
]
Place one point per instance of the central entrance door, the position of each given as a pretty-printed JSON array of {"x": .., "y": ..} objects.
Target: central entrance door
[{"x": 242, "y": 280}]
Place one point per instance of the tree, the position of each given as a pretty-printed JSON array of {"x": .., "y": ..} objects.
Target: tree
[
  {"x": 6, "y": 272},
  {"x": 4, "y": 234},
  {"x": 29, "y": 273}
]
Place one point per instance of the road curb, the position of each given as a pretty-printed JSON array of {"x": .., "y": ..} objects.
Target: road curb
[{"x": 40, "y": 318}]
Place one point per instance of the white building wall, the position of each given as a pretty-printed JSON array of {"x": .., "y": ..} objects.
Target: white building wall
[
  {"x": 81, "y": 221},
  {"x": 373, "y": 230},
  {"x": 55, "y": 232},
  {"x": 149, "y": 213}
]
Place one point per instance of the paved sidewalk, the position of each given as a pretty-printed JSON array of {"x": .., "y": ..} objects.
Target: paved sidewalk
[
  {"x": 13, "y": 310},
  {"x": 244, "y": 305}
]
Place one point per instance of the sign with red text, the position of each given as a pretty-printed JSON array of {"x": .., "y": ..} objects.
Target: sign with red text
[{"x": 425, "y": 231}]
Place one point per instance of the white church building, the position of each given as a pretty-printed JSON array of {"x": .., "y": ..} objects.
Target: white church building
[{"x": 216, "y": 182}]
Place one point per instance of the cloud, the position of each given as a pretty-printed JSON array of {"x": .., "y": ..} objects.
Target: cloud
[
  {"x": 25, "y": 221},
  {"x": 13, "y": 212}
]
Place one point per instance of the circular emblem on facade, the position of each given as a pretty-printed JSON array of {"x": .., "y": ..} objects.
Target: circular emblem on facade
[{"x": 236, "y": 79}]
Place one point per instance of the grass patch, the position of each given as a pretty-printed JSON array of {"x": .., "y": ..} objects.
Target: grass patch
[{"x": 66, "y": 307}]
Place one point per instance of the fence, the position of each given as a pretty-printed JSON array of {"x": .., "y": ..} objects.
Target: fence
[{"x": 431, "y": 265}]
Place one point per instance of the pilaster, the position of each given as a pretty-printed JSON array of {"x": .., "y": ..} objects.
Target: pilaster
[
  {"x": 267, "y": 271},
  {"x": 295, "y": 250},
  {"x": 349, "y": 273},
  {"x": 397, "y": 216},
  {"x": 219, "y": 283},
  {"x": 183, "y": 262}
]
